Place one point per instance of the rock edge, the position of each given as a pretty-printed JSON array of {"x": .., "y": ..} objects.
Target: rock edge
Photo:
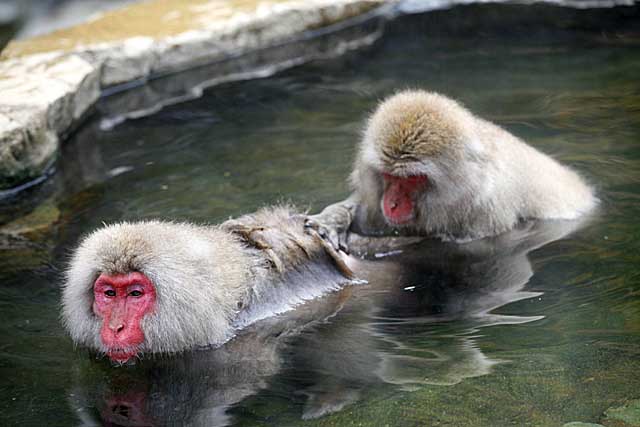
[{"x": 49, "y": 83}]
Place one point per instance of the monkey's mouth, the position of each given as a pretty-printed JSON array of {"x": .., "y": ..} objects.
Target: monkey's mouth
[
  {"x": 399, "y": 220},
  {"x": 399, "y": 198},
  {"x": 398, "y": 211},
  {"x": 121, "y": 355}
]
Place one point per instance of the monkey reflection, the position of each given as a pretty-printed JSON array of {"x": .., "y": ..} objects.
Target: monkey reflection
[
  {"x": 412, "y": 325},
  {"x": 414, "y": 322},
  {"x": 196, "y": 388}
]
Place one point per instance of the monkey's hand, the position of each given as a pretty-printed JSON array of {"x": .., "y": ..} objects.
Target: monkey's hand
[{"x": 333, "y": 223}]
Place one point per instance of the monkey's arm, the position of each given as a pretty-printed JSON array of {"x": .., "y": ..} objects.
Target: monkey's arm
[{"x": 334, "y": 221}]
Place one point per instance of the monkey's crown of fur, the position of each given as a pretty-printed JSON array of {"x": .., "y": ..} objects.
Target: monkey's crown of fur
[{"x": 416, "y": 123}]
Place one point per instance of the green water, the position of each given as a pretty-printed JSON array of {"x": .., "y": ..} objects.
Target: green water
[{"x": 381, "y": 355}]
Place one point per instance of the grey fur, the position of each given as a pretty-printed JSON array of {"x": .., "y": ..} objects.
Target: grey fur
[
  {"x": 209, "y": 279},
  {"x": 482, "y": 179}
]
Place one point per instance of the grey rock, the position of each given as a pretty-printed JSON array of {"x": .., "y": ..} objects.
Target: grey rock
[{"x": 45, "y": 94}]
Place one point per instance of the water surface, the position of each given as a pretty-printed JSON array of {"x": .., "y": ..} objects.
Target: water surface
[{"x": 424, "y": 343}]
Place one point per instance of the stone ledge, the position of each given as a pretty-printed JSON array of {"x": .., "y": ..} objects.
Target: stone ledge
[{"x": 49, "y": 83}]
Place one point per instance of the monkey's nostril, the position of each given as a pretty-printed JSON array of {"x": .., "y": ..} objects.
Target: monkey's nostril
[{"x": 119, "y": 328}]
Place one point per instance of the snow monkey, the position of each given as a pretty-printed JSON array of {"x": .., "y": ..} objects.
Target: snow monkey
[
  {"x": 160, "y": 287},
  {"x": 428, "y": 166}
]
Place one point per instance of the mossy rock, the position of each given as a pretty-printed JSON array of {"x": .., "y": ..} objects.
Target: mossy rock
[
  {"x": 36, "y": 225},
  {"x": 624, "y": 416}
]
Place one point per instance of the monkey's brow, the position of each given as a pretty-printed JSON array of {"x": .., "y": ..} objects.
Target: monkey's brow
[
  {"x": 399, "y": 153},
  {"x": 394, "y": 156},
  {"x": 408, "y": 157},
  {"x": 399, "y": 158},
  {"x": 398, "y": 167}
]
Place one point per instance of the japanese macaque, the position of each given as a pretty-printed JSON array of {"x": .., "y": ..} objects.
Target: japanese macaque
[
  {"x": 159, "y": 287},
  {"x": 428, "y": 166}
]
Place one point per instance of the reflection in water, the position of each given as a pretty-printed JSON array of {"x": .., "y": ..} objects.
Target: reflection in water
[
  {"x": 196, "y": 388},
  {"x": 412, "y": 325}
]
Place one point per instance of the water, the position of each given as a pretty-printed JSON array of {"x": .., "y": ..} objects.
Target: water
[{"x": 420, "y": 345}]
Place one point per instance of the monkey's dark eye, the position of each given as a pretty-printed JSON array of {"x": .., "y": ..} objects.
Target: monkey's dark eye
[
  {"x": 110, "y": 293},
  {"x": 135, "y": 294}
]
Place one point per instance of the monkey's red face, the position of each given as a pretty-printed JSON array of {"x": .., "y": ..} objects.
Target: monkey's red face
[
  {"x": 122, "y": 301},
  {"x": 399, "y": 199}
]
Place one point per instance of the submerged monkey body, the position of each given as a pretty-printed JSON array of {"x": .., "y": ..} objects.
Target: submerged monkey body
[
  {"x": 209, "y": 281},
  {"x": 428, "y": 166}
]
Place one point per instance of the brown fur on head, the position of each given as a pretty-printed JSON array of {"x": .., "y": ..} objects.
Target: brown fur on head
[{"x": 412, "y": 125}]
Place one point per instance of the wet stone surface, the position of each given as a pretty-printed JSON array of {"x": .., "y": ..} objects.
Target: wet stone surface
[{"x": 49, "y": 83}]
